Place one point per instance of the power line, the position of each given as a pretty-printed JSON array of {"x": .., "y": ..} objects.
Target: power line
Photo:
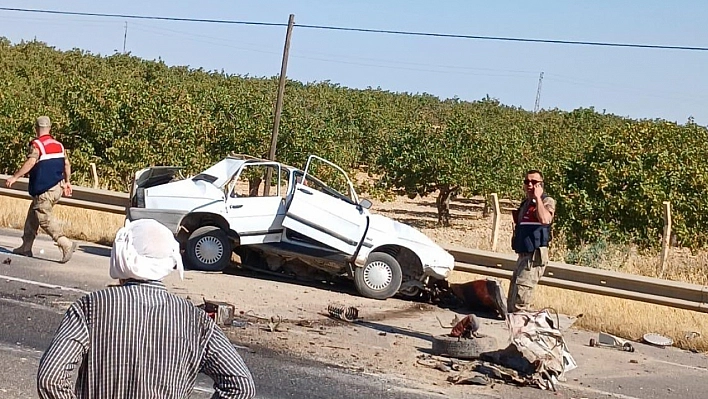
[
  {"x": 363, "y": 30},
  {"x": 357, "y": 60}
]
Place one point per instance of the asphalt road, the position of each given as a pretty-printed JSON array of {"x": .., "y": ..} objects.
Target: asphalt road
[
  {"x": 30, "y": 314},
  {"x": 35, "y": 291}
]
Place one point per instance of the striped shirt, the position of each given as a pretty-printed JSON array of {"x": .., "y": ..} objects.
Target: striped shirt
[{"x": 139, "y": 341}]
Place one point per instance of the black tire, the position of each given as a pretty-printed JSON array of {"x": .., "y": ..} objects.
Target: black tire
[
  {"x": 411, "y": 293},
  {"x": 385, "y": 280},
  {"x": 208, "y": 249},
  {"x": 463, "y": 348}
]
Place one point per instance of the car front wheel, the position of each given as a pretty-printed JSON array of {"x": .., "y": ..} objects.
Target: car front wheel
[
  {"x": 208, "y": 249},
  {"x": 380, "y": 278}
]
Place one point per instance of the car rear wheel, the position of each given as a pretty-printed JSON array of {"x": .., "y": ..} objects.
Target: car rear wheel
[
  {"x": 380, "y": 278},
  {"x": 208, "y": 249}
]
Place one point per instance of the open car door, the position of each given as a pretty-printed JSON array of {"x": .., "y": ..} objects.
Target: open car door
[{"x": 324, "y": 214}]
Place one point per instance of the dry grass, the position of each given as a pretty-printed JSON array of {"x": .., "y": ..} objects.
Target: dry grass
[
  {"x": 81, "y": 224},
  {"x": 628, "y": 319}
]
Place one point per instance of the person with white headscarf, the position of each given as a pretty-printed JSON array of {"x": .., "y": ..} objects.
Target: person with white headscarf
[
  {"x": 145, "y": 250},
  {"x": 137, "y": 340}
]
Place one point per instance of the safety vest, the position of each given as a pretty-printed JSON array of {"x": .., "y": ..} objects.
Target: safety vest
[
  {"x": 530, "y": 234},
  {"x": 49, "y": 169}
]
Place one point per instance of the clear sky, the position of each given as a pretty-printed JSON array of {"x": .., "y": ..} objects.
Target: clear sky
[{"x": 639, "y": 83}]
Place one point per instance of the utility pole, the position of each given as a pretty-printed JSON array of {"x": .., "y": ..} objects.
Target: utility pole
[
  {"x": 279, "y": 100},
  {"x": 125, "y": 35},
  {"x": 538, "y": 94}
]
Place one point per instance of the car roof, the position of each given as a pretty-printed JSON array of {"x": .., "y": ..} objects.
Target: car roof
[{"x": 251, "y": 159}]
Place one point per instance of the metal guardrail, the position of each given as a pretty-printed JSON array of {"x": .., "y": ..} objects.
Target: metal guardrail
[
  {"x": 576, "y": 278},
  {"x": 83, "y": 197},
  {"x": 585, "y": 279}
]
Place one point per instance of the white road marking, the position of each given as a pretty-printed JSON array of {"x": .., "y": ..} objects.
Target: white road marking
[
  {"x": 20, "y": 349},
  {"x": 43, "y": 285},
  {"x": 596, "y": 391},
  {"x": 31, "y": 305},
  {"x": 698, "y": 368}
]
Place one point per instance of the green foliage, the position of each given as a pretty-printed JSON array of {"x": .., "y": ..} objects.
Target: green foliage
[
  {"x": 609, "y": 174},
  {"x": 592, "y": 255},
  {"x": 617, "y": 188}
]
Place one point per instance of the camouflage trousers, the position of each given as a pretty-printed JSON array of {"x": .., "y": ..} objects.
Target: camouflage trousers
[
  {"x": 40, "y": 215},
  {"x": 529, "y": 270}
]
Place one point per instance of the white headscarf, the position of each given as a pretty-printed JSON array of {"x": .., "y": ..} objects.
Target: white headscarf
[{"x": 145, "y": 250}]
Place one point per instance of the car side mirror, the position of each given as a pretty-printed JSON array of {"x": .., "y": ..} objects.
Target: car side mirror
[{"x": 365, "y": 203}]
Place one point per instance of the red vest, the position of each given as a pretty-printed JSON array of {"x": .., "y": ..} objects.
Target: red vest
[{"x": 49, "y": 169}]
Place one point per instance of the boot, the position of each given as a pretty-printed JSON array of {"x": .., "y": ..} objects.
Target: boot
[
  {"x": 67, "y": 248},
  {"x": 23, "y": 250}
]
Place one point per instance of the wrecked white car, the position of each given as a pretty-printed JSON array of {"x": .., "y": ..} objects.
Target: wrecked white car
[{"x": 274, "y": 213}]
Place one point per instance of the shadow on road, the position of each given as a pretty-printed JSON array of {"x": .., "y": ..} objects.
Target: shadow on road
[
  {"x": 394, "y": 330},
  {"x": 338, "y": 285},
  {"x": 94, "y": 250}
]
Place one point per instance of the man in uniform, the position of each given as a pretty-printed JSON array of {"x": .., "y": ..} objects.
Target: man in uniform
[
  {"x": 49, "y": 173},
  {"x": 532, "y": 234}
]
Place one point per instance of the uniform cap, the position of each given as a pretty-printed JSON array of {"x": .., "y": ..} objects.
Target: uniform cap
[{"x": 43, "y": 121}]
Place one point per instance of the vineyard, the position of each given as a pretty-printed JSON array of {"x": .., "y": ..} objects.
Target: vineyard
[{"x": 609, "y": 174}]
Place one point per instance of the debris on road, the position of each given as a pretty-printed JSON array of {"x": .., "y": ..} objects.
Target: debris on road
[
  {"x": 7, "y": 261},
  {"x": 440, "y": 363},
  {"x": 342, "y": 312},
  {"x": 611, "y": 341},
  {"x": 274, "y": 324},
  {"x": 657, "y": 340},
  {"x": 221, "y": 312},
  {"x": 466, "y": 328},
  {"x": 537, "y": 350},
  {"x": 463, "y": 348},
  {"x": 239, "y": 324},
  {"x": 485, "y": 295},
  {"x": 474, "y": 379}
]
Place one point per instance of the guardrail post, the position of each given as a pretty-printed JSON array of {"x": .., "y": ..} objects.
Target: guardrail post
[
  {"x": 666, "y": 239},
  {"x": 495, "y": 220},
  {"x": 95, "y": 175}
]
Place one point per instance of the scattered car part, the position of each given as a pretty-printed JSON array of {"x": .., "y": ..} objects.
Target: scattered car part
[
  {"x": 537, "y": 349},
  {"x": 474, "y": 379},
  {"x": 455, "y": 320},
  {"x": 657, "y": 340},
  {"x": 274, "y": 324},
  {"x": 608, "y": 340},
  {"x": 461, "y": 348},
  {"x": 483, "y": 294},
  {"x": 343, "y": 313},
  {"x": 221, "y": 312},
  {"x": 466, "y": 328}
]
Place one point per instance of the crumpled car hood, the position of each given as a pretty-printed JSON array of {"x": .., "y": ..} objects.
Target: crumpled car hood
[
  {"x": 187, "y": 189},
  {"x": 400, "y": 230}
]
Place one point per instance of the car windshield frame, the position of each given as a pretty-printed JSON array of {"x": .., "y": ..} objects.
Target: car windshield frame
[{"x": 319, "y": 185}]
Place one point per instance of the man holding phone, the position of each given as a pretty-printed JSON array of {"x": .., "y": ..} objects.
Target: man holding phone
[{"x": 532, "y": 234}]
